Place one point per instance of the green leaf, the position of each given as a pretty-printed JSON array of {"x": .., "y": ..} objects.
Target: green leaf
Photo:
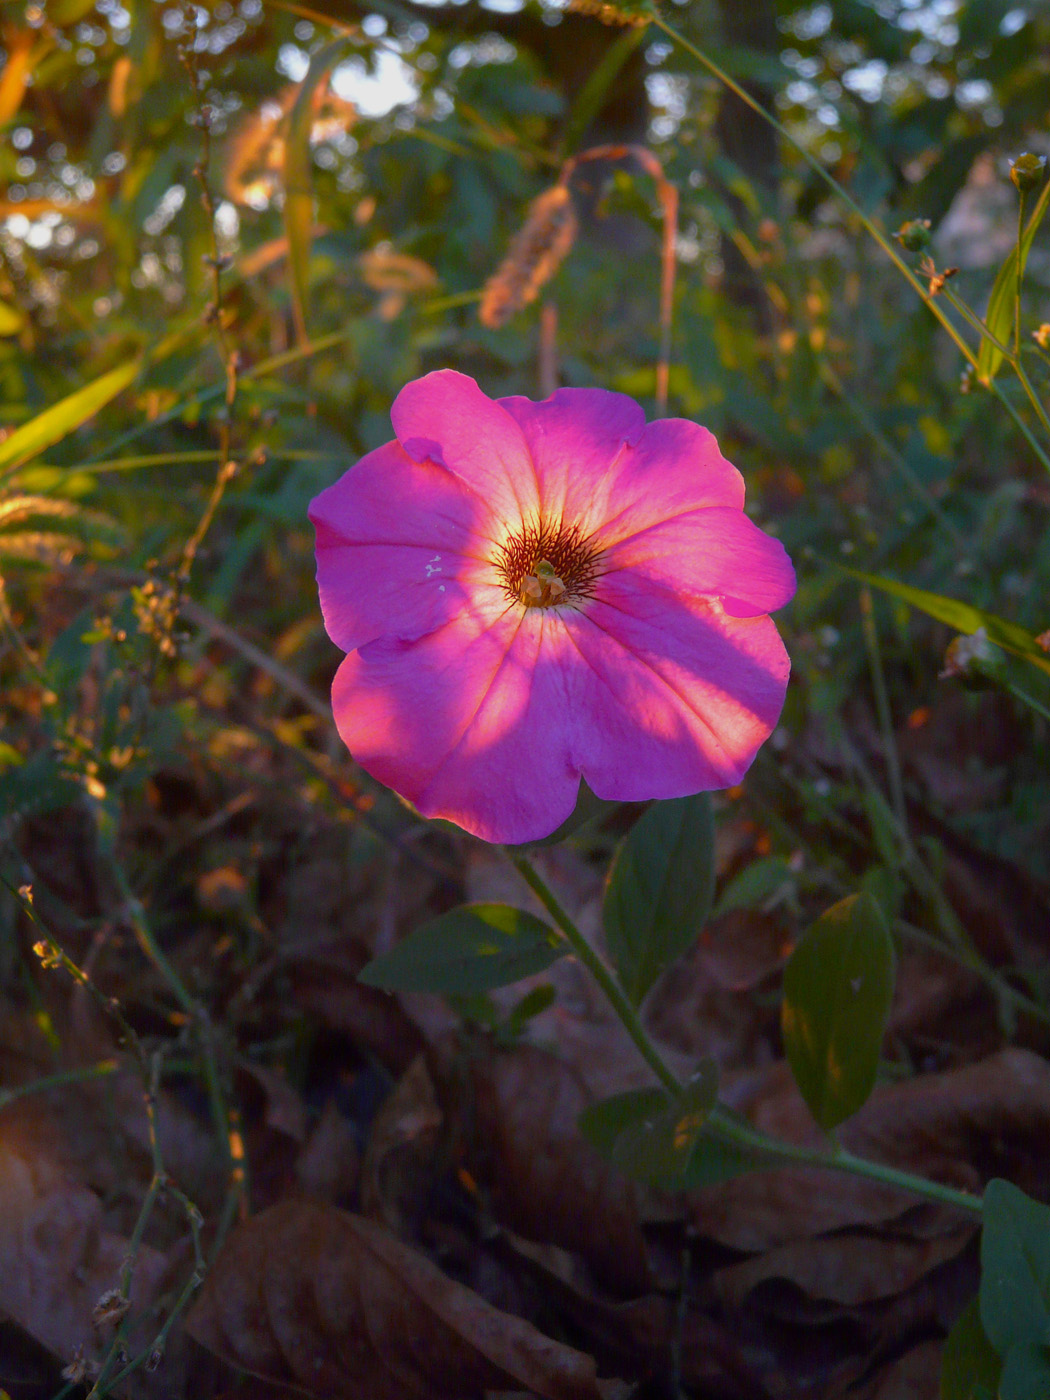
[
  {"x": 1015, "y": 1289},
  {"x": 759, "y": 881},
  {"x": 838, "y": 985},
  {"x": 605, "y": 1122},
  {"x": 660, "y": 888},
  {"x": 298, "y": 178},
  {"x": 962, "y": 617},
  {"x": 970, "y": 1365},
  {"x": 999, "y": 317},
  {"x": 470, "y": 949},
  {"x": 649, "y": 1135},
  {"x": 63, "y": 417}
]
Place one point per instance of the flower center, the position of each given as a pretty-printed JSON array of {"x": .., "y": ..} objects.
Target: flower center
[{"x": 546, "y": 565}]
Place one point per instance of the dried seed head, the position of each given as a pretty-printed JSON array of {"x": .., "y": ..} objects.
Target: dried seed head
[
  {"x": 111, "y": 1308},
  {"x": 535, "y": 255}
]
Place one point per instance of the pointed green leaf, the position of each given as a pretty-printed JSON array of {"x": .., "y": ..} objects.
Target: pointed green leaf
[
  {"x": 660, "y": 888},
  {"x": 63, "y": 417},
  {"x": 649, "y": 1135},
  {"x": 298, "y": 178},
  {"x": 1015, "y": 1289},
  {"x": 999, "y": 317},
  {"x": 838, "y": 985},
  {"x": 970, "y": 1365},
  {"x": 470, "y": 949},
  {"x": 962, "y": 617}
]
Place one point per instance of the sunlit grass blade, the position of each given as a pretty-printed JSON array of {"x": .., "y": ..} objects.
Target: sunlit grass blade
[
  {"x": 64, "y": 417},
  {"x": 999, "y": 318},
  {"x": 964, "y": 617}
]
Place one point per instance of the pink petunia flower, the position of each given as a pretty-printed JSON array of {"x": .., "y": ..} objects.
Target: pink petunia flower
[{"x": 530, "y": 592}]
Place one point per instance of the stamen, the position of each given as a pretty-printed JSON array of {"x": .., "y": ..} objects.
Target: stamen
[{"x": 547, "y": 565}]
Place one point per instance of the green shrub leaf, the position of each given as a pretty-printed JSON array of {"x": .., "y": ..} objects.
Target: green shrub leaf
[
  {"x": 470, "y": 949},
  {"x": 651, "y": 1136},
  {"x": 970, "y": 1365},
  {"x": 660, "y": 889},
  {"x": 1015, "y": 1289},
  {"x": 838, "y": 985}
]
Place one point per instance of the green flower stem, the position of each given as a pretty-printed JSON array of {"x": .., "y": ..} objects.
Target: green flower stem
[
  {"x": 599, "y": 970},
  {"x": 722, "y": 1124}
]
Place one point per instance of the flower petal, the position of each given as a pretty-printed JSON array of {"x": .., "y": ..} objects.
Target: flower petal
[
  {"x": 470, "y": 722},
  {"x": 716, "y": 552},
  {"x": 673, "y": 696},
  {"x": 574, "y": 437},
  {"x": 397, "y": 544},
  {"x": 675, "y": 467},
  {"x": 445, "y": 417}
]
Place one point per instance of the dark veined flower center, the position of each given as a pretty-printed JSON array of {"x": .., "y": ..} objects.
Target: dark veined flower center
[{"x": 547, "y": 565}]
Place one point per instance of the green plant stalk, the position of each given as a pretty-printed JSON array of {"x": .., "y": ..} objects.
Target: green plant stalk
[
  {"x": 599, "y": 970},
  {"x": 868, "y": 224},
  {"x": 58, "y": 1081},
  {"x": 1022, "y": 199},
  {"x": 720, "y": 1123},
  {"x": 882, "y": 706}
]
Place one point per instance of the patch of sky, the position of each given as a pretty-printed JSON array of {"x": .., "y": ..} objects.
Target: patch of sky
[
  {"x": 390, "y": 83},
  {"x": 867, "y": 80}
]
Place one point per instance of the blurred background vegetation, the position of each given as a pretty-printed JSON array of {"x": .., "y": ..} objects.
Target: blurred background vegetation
[
  {"x": 147, "y": 150},
  {"x": 229, "y": 233}
]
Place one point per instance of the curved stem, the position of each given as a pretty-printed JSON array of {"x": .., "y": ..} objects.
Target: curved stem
[
  {"x": 599, "y": 970},
  {"x": 722, "y": 1124}
]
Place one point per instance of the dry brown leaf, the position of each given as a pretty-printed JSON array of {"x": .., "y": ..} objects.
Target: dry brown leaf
[
  {"x": 307, "y": 1295},
  {"x": 851, "y": 1269},
  {"x": 961, "y": 1127},
  {"x": 56, "y": 1257},
  {"x": 329, "y": 1165},
  {"x": 644, "y": 1338},
  {"x": 519, "y": 1108},
  {"x": 916, "y": 1376},
  {"x": 745, "y": 947},
  {"x": 397, "y": 1163},
  {"x": 326, "y": 988}
]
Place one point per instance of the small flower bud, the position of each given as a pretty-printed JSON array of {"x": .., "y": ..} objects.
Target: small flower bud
[
  {"x": 914, "y": 235},
  {"x": 974, "y": 660},
  {"x": 1027, "y": 172}
]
